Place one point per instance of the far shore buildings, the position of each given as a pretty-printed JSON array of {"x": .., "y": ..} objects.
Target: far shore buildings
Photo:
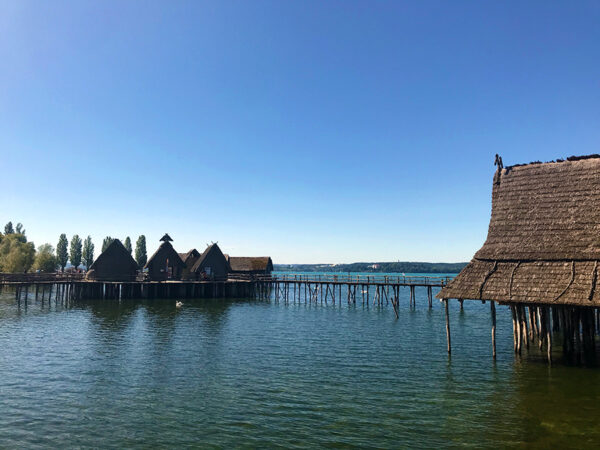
[{"x": 167, "y": 264}]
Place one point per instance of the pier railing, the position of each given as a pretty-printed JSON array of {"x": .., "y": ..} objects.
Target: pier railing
[
  {"x": 364, "y": 279},
  {"x": 40, "y": 277}
]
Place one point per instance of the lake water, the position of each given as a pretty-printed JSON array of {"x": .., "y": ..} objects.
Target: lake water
[{"x": 218, "y": 373}]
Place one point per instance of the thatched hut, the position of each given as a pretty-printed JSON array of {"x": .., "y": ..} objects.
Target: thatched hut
[
  {"x": 541, "y": 253},
  {"x": 165, "y": 263},
  {"x": 189, "y": 259},
  {"x": 211, "y": 265},
  {"x": 251, "y": 265},
  {"x": 114, "y": 264}
]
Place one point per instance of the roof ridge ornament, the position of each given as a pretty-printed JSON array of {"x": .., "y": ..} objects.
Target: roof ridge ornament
[
  {"x": 500, "y": 165},
  {"x": 498, "y": 162}
]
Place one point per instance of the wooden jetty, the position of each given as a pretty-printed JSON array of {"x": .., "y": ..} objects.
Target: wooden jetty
[
  {"x": 330, "y": 287},
  {"x": 72, "y": 287},
  {"x": 287, "y": 287}
]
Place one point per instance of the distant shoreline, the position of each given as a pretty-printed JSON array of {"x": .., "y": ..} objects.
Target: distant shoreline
[{"x": 375, "y": 267}]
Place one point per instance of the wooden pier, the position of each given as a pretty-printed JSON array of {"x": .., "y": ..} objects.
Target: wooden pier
[
  {"x": 309, "y": 288},
  {"x": 347, "y": 287},
  {"x": 73, "y": 287}
]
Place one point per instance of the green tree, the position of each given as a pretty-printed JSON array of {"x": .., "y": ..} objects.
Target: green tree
[
  {"x": 19, "y": 229},
  {"x": 140, "y": 251},
  {"x": 45, "y": 261},
  {"x": 88, "y": 252},
  {"x": 16, "y": 255},
  {"x": 62, "y": 254},
  {"x": 127, "y": 244},
  {"x": 107, "y": 241},
  {"x": 8, "y": 228},
  {"x": 75, "y": 251}
]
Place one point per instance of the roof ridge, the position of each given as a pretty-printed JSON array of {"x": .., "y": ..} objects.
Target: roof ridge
[{"x": 558, "y": 160}]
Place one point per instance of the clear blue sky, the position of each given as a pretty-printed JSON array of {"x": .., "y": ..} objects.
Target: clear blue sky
[{"x": 309, "y": 131}]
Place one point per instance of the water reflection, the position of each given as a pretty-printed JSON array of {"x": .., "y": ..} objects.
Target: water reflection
[{"x": 220, "y": 373}]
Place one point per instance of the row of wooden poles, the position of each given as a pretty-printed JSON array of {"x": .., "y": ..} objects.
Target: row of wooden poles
[
  {"x": 73, "y": 291},
  {"x": 577, "y": 326},
  {"x": 540, "y": 324},
  {"x": 44, "y": 291},
  {"x": 292, "y": 291}
]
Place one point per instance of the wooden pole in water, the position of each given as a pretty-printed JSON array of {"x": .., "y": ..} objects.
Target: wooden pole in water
[
  {"x": 447, "y": 326},
  {"x": 493, "y": 311},
  {"x": 514, "y": 321},
  {"x": 549, "y": 336}
]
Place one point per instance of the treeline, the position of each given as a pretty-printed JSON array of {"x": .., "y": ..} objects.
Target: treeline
[
  {"x": 18, "y": 255},
  {"x": 381, "y": 267}
]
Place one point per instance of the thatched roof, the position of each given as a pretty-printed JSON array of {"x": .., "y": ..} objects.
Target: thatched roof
[
  {"x": 251, "y": 263},
  {"x": 543, "y": 241},
  {"x": 193, "y": 253},
  {"x": 211, "y": 249},
  {"x": 115, "y": 264},
  {"x": 166, "y": 251}
]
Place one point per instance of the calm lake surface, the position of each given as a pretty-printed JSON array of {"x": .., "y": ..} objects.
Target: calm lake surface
[{"x": 219, "y": 373}]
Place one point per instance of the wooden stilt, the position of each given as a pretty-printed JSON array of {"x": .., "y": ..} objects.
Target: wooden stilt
[
  {"x": 549, "y": 336},
  {"x": 447, "y": 326},
  {"x": 493, "y": 312}
]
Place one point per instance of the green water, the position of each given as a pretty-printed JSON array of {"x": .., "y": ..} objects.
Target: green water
[{"x": 217, "y": 373}]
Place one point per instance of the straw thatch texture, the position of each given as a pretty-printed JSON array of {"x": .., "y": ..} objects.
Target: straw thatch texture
[
  {"x": 547, "y": 282},
  {"x": 162, "y": 260},
  {"x": 212, "y": 264},
  {"x": 114, "y": 264},
  {"x": 545, "y": 212},
  {"x": 189, "y": 259},
  {"x": 543, "y": 241},
  {"x": 256, "y": 264}
]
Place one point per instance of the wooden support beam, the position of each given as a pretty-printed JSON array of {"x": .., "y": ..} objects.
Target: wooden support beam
[
  {"x": 447, "y": 326},
  {"x": 493, "y": 311}
]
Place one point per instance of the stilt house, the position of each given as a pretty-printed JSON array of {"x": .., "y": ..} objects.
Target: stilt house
[
  {"x": 211, "y": 265},
  {"x": 541, "y": 253},
  {"x": 165, "y": 263},
  {"x": 114, "y": 264},
  {"x": 253, "y": 265},
  {"x": 189, "y": 259}
]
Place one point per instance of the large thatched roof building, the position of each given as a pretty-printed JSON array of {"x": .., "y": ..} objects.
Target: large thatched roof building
[
  {"x": 543, "y": 243},
  {"x": 255, "y": 265},
  {"x": 541, "y": 253},
  {"x": 114, "y": 264},
  {"x": 211, "y": 264},
  {"x": 165, "y": 263},
  {"x": 189, "y": 259}
]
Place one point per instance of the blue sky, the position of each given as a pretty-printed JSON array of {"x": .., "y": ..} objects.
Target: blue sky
[{"x": 309, "y": 131}]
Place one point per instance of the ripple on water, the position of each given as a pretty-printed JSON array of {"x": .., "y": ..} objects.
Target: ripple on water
[{"x": 260, "y": 374}]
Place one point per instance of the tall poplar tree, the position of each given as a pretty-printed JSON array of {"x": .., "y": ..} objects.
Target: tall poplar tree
[
  {"x": 140, "y": 251},
  {"x": 106, "y": 242},
  {"x": 127, "y": 245},
  {"x": 8, "y": 228},
  {"x": 88, "y": 252},
  {"x": 62, "y": 254},
  {"x": 75, "y": 251}
]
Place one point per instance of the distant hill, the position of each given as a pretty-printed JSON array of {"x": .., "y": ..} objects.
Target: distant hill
[{"x": 387, "y": 267}]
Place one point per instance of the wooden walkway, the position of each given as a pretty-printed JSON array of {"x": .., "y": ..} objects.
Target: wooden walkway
[{"x": 329, "y": 287}]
